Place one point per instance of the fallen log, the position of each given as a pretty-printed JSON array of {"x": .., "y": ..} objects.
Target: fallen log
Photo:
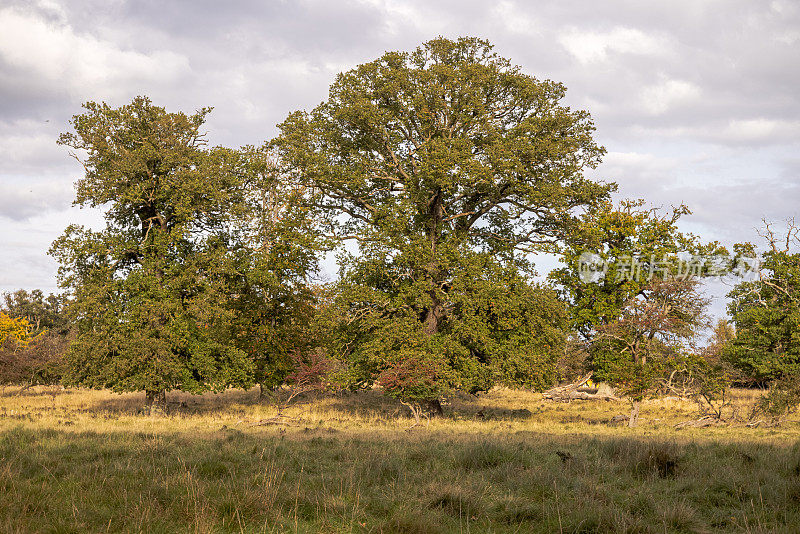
[
  {"x": 577, "y": 391},
  {"x": 278, "y": 419},
  {"x": 618, "y": 420},
  {"x": 703, "y": 422}
]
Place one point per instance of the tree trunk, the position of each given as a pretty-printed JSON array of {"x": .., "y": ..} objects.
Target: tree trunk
[
  {"x": 416, "y": 411},
  {"x": 634, "y": 413},
  {"x": 265, "y": 392},
  {"x": 434, "y": 316},
  {"x": 155, "y": 401},
  {"x": 436, "y": 311},
  {"x": 434, "y": 407}
]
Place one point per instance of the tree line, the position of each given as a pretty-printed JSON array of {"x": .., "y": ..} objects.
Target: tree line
[{"x": 436, "y": 176}]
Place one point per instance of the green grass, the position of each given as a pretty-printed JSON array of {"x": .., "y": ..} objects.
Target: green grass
[{"x": 81, "y": 461}]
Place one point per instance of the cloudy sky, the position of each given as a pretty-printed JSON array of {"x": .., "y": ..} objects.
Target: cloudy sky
[{"x": 696, "y": 101}]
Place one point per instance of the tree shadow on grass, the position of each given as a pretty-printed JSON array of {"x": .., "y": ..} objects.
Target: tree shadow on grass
[
  {"x": 34, "y": 391},
  {"x": 366, "y": 404},
  {"x": 178, "y": 403},
  {"x": 372, "y": 403}
]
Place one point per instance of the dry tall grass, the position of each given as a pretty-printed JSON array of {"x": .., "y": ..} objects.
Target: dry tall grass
[{"x": 507, "y": 461}]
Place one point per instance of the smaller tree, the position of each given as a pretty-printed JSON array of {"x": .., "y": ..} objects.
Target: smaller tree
[
  {"x": 781, "y": 399},
  {"x": 13, "y": 330},
  {"x": 13, "y": 338},
  {"x": 313, "y": 372},
  {"x": 766, "y": 311},
  {"x": 275, "y": 298},
  {"x": 703, "y": 379},
  {"x": 40, "y": 311},
  {"x": 616, "y": 251},
  {"x": 703, "y": 375},
  {"x": 415, "y": 382},
  {"x": 656, "y": 326},
  {"x": 39, "y": 360},
  {"x": 709, "y": 376},
  {"x": 27, "y": 359}
]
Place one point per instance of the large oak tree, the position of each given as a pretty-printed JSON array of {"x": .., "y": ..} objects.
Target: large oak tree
[
  {"x": 151, "y": 291},
  {"x": 449, "y": 167}
]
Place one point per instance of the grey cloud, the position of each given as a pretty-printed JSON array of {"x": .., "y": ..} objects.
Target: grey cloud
[
  {"x": 28, "y": 147},
  {"x": 696, "y": 101},
  {"x": 251, "y": 28},
  {"x": 735, "y": 212},
  {"x": 30, "y": 270},
  {"x": 22, "y": 201},
  {"x": 728, "y": 201}
]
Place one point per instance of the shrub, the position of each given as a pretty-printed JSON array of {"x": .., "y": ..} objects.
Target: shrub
[
  {"x": 781, "y": 400},
  {"x": 414, "y": 381},
  {"x": 39, "y": 360}
]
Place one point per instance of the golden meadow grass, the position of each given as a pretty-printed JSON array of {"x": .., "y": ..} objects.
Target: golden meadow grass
[{"x": 506, "y": 461}]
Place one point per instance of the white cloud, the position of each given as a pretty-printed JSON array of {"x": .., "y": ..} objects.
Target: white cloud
[
  {"x": 513, "y": 19},
  {"x": 759, "y": 130},
  {"x": 589, "y": 46},
  {"x": 660, "y": 98},
  {"x": 637, "y": 160},
  {"x": 733, "y": 132},
  {"x": 53, "y": 53}
]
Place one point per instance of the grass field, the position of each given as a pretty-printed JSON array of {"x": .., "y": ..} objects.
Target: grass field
[{"x": 507, "y": 461}]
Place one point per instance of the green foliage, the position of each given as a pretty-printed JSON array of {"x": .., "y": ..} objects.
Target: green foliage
[
  {"x": 655, "y": 329},
  {"x": 766, "y": 313},
  {"x": 635, "y": 380},
  {"x": 446, "y": 165},
  {"x": 411, "y": 379},
  {"x": 782, "y": 399},
  {"x": 635, "y": 244},
  {"x": 275, "y": 300},
  {"x": 701, "y": 376},
  {"x": 525, "y": 335},
  {"x": 500, "y": 328},
  {"x": 635, "y": 308},
  {"x": 712, "y": 380},
  {"x": 42, "y": 313},
  {"x": 151, "y": 291}
]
